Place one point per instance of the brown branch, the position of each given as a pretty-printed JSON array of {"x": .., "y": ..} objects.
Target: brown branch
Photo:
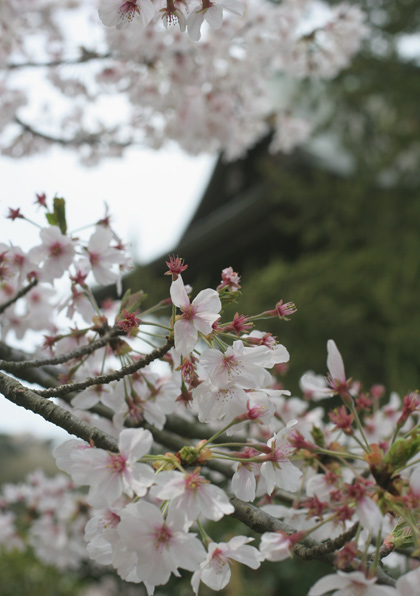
[
  {"x": 261, "y": 522},
  {"x": 77, "y": 141},
  {"x": 329, "y": 546},
  {"x": 19, "y": 294},
  {"x": 45, "y": 377},
  {"x": 28, "y": 399},
  {"x": 14, "y": 367},
  {"x": 114, "y": 376},
  {"x": 86, "y": 56}
]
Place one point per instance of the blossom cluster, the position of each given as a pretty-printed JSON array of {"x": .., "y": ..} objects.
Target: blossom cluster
[
  {"x": 134, "y": 383},
  {"x": 225, "y": 93}
]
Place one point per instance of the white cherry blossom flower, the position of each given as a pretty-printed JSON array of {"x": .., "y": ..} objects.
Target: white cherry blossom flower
[
  {"x": 109, "y": 474},
  {"x": 244, "y": 483},
  {"x": 214, "y": 403},
  {"x": 212, "y": 12},
  {"x": 101, "y": 535},
  {"x": 56, "y": 253},
  {"x": 103, "y": 258},
  {"x": 197, "y": 316},
  {"x": 280, "y": 471},
  {"x": 215, "y": 570},
  {"x": 193, "y": 494},
  {"x": 240, "y": 366},
  {"x": 275, "y": 546},
  {"x": 151, "y": 547},
  {"x": 119, "y": 13}
]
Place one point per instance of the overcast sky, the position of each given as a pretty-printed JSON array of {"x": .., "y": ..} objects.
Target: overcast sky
[{"x": 151, "y": 195}]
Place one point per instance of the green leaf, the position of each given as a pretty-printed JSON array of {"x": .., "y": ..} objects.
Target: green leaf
[{"x": 60, "y": 214}]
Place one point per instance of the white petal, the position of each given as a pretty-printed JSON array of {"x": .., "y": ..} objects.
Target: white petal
[
  {"x": 335, "y": 362},
  {"x": 195, "y": 20},
  {"x": 214, "y": 16},
  {"x": 179, "y": 296}
]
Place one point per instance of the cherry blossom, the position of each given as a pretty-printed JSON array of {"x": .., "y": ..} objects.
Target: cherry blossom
[
  {"x": 102, "y": 257},
  {"x": 275, "y": 546},
  {"x": 193, "y": 494},
  {"x": 238, "y": 365},
  {"x": 108, "y": 474},
  {"x": 215, "y": 570},
  {"x": 197, "y": 316},
  {"x": 361, "y": 466},
  {"x": 280, "y": 471},
  {"x": 157, "y": 547},
  {"x": 120, "y": 13},
  {"x": 212, "y": 12},
  {"x": 56, "y": 253}
]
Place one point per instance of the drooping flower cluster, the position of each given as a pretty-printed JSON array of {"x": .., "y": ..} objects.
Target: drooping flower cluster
[
  {"x": 216, "y": 95},
  {"x": 206, "y": 389}
]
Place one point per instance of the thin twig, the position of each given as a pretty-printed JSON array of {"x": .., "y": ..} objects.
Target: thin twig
[
  {"x": 105, "y": 379},
  {"x": 86, "y": 56},
  {"x": 77, "y": 141},
  {"x": 261, "y": 522},
  {"x": 18, "y": 295},
  {"x": 85, "y": 350},
  {"x": 28, "y": 399}
]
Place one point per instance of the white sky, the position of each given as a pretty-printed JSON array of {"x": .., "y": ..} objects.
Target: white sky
[{"x": 151, "y": 195}]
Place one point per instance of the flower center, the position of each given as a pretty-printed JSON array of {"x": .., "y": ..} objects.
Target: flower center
[
  {"x": 117, "y": 463},
  {"x": 162, "y": 538},
  {"x": 56, "y": 250}
]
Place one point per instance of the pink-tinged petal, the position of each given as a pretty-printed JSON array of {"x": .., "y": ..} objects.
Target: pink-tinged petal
[
  {"x": 203, "y": 322},
  {"x": 195, "y": 20},
  {"x": 208, "y": 300},
  {"x": 179, "y": 295},
  {"x": 189, "y": 552},
  {"x": 408, "y": 584},
  {"x": 135, "y": 442},
  {"x": 369, "y": 514},
  {"x": 186, "y": 336},
  {"x": 216, "y": 577},
  {"x": 108, "y": 12},
  {"x": 147, "y": 11},
  {"x": 316, "y": 386},
  {"x": 244, "y": 484},
  {"x": 214, "y": 16},
  {"x": 275, "y": 546},
  {"x": 335, "y": 362},
  {"x": 85, "y": 400},
  {"x": 100, "y": 240},
  {"x": 247, "y": 555},
  {"x": 195, "y": 582},
  {"x": 141, "y": 478},
  {"x": 328, "y": 583}
]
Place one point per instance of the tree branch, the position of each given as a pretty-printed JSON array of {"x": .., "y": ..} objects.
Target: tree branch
[
  {"x": 45, "y": 377},
  {"x": 105, "y": 379},
  {"x": 16, "y": 367},
  {"x": 18, "y": 295},
  {"x": 77, "y": 141},
  {"x": 28, "y": 399},
  {"x": 261, "y": 522},
  {"x": 86, "y": 56}
]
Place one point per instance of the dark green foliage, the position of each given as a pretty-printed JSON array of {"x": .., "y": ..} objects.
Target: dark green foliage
[{"x": 22, "y": 574}]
